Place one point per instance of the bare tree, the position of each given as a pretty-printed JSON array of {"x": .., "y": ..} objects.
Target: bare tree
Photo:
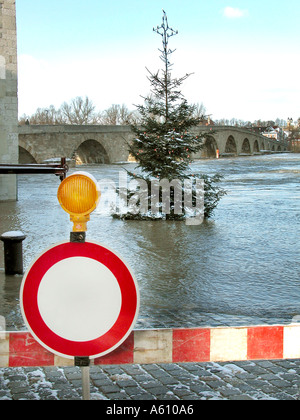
[
  {"x": 79, "y": 111},
  {"x": 116, "y": 115},
  {"x": 43, "y": 116},
  {"x": 200, "y": 110}
]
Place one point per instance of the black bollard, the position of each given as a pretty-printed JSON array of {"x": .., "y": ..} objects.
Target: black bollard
[{"x": 13, "y": 252}]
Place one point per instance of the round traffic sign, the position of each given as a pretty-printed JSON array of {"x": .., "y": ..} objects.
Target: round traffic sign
[{"x": 79, "y": 300}]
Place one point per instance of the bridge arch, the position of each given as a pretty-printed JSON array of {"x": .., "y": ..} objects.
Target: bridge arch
[
  {"x": 246, "y": 148},
  {"x": 255, "y": 147},
  {"x": 25, "y": 157},
  {"x": 231, "y": 146},
  {"x": 209, "y": 148},
  {"x": 91, "y": 151}
]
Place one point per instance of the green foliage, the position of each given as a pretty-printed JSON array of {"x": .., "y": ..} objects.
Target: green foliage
[{"x": 212, "y": 193}]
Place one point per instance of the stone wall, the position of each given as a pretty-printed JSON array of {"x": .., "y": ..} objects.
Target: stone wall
[{"x": 8, "y": 96}]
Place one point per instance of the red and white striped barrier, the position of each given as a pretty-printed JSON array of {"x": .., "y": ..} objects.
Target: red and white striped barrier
[{"x": 169, "y": 346}]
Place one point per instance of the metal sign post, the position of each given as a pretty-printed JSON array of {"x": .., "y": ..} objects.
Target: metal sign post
[{"x": 82, "y": 362}]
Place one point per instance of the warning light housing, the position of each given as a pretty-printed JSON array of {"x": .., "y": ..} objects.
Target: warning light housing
[{"x": 79, "y": 195}]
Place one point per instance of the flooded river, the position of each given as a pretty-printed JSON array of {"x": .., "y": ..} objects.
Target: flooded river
[{"x": 241, "y": 266}]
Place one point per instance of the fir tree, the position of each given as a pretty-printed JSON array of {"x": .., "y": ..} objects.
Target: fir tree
[
  {"x": 164, "y": 144},
  {"x": 164, "y": 141}
]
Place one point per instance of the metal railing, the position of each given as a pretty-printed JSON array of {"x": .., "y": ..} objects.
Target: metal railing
[{"x": 56, "y": 169}]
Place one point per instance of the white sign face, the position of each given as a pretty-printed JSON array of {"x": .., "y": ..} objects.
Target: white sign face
[{"x": 79, "y": 299}]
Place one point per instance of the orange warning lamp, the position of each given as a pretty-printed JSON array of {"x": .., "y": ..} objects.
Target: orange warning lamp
[{"x": 79, "y": 195}]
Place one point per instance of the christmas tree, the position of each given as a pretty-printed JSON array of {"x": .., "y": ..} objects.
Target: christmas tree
[{"x": 164, "y": 144}]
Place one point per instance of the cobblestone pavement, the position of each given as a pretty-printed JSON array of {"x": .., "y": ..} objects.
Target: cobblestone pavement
[{"x": 260, "y": 380}]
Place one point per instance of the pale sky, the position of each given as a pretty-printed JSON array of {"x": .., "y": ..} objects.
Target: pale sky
[{"x": 244, "y": 54}]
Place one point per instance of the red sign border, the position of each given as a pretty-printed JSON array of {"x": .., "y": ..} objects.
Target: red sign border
[{"x": 59, "y": 345}]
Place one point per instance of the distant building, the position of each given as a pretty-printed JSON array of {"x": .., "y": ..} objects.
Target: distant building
[
  {"x": 276, "y": 133},
  {"x": 207, "y": 121}
]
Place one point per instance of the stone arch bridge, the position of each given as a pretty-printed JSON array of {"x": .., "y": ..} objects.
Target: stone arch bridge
[{"x": 108, "y": 144}]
